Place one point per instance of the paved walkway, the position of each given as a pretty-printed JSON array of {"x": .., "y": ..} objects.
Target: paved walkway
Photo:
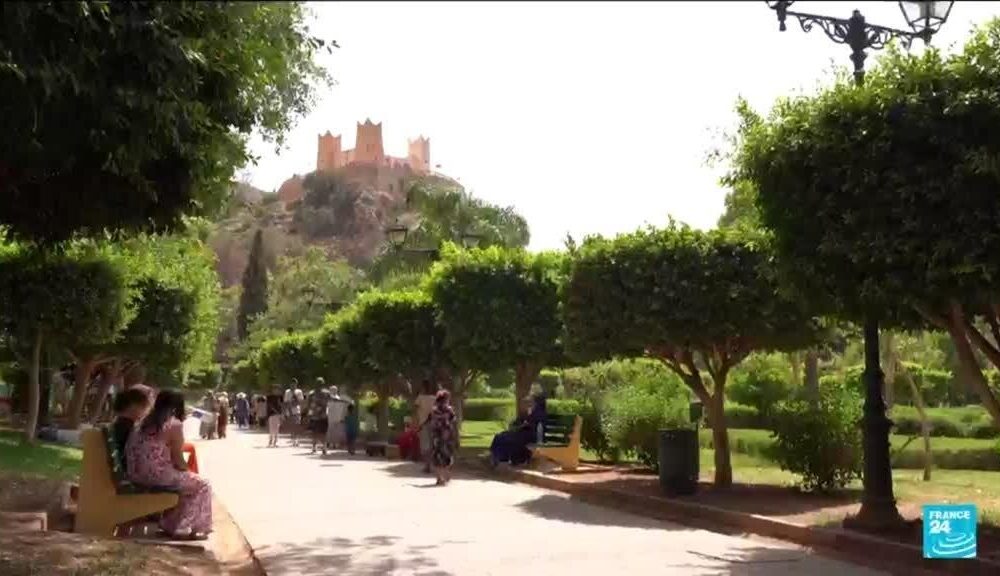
[{"x": 344, "y": 515}]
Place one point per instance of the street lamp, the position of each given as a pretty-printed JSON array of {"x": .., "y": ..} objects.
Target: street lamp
[
  {"x": 878, "y": 506},
  {"x": 924, "y": 18}
]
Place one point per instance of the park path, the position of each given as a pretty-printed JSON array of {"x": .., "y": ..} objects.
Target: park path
[{"x": 348, "y": 516}]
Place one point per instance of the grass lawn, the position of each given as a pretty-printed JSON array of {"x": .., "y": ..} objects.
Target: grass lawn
[
  {"x": 41, "y": 459},
  {"x": 979, "y": 487}
]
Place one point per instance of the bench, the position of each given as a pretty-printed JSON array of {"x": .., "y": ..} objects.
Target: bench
[
  {"x": 381, "y": 448},
  {"x": 562, "y": 441},
  {"x": 106, "y": 498}
]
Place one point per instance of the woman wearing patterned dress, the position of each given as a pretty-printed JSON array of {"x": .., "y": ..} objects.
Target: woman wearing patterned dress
[
  {"x": 155, "y": 458},
  {"x": 444, "y": 434}
]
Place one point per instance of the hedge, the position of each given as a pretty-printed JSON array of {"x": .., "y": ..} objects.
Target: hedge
[
  {"x": 948, "y": 453},
  {"x": 502, "y": 409},
  {"x": 958, "y": 422}
]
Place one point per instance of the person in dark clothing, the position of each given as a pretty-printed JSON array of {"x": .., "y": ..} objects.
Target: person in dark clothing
[
  {"x": 512, "y": 445},
  {"x": 130, "y": 407}
]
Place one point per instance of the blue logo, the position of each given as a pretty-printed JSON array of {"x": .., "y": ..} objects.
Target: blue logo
[{"x": 950, "y": 531}]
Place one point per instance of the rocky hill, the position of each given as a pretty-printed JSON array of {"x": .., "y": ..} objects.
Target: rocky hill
[{"x": 345, "y": 212}]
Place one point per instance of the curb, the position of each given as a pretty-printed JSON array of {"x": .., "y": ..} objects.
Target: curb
[
  {"x": 252, "y": 565},
  {"x": 868, "y": 550}
]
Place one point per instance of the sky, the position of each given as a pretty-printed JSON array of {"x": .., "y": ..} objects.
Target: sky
[{"x": 588, "y": 118}]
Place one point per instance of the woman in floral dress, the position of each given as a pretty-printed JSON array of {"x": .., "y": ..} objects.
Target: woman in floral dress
[
  {"x": 155, "y": 458},
  {"x": 444, "y": 434}
]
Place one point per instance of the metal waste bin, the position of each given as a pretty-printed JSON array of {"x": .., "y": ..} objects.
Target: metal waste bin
[{"x": 679, "y": 461}]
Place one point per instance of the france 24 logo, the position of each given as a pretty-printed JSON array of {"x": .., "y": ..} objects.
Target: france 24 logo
[{"x": 949, "y": 531}]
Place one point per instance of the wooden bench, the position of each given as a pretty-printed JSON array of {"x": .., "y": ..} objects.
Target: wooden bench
[
  {"x": 106, "y": 498},
  {"x": 562, "y": 441}
]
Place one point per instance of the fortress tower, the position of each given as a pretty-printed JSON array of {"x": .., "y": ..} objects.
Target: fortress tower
[
  {"x": 368, "y": 145},
  {"x": 328, "y": 153},
  {"x": 368, "y": 150},
  {"x": 420, "y": 154}
]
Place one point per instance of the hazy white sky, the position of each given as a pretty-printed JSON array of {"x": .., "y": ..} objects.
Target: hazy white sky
[{"x": 587, "y": 117}]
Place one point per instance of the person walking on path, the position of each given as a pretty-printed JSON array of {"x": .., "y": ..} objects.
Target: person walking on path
[
  {"x": 318, "y": 421},
  {"x": 274, "y": 410},
  {"x": 443, "y": 436},
  {"x": 425, "y": 405},
  {"x": 351, "y": 426},
  {"x": 223, "y": 419},
  {"x": 336, "y": 412},
  {"x": 294, "y": 398},
  {"x": 242, "y": 410}
]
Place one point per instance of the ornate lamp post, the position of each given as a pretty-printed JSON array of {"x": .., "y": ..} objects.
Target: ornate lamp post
[
  {"x": 398, "y": 232},
  {"x": 924, "y": 18},
  {"x": 878, "y": 508}
]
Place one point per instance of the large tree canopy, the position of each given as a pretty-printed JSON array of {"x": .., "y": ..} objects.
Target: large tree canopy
[
  {"x": 500, "y": 309},
  {"x": 883, "y": 198},
  {"x": 125, "y": 115},
  {"x": 693, "y": 300}
]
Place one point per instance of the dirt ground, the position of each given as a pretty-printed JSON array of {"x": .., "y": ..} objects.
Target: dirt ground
[{"x": 59, "y": 552}]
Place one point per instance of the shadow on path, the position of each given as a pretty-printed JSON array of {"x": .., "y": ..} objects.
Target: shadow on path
[
  {"x": 375, "y": 555},
  {"x": 563, "y": 509},
  {"x": 754, "y": 561}
]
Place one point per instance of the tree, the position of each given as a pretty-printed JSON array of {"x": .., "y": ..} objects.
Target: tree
[
  {"x": 302, "y": 291},
  {"x": 500, "y": 309},
  {"x": 441, "y": 211},
  {"x": 291, "y": 356},
  {"x": 882, "y": 198},
  {"x": 693, "y": 300},
  {"x": 126, "y": 116},
  {"x": 55, "y": 300},
  {"x": 172, "y": 320},
  {"x": 253, "y": 298}
]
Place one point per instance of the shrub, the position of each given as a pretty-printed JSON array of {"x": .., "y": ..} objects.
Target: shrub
[
  {"x": 489, "y": 409},
  {"x": 740, "y": 416},
  {"x": 820, "y": 443},
  {"x": 635, "y": 415},
  {"x": 985, "y": 429},
  {"x": 761, "y": 381},
  {"x": 594, "y": 384},
  {"x": 549, "y": 381}
]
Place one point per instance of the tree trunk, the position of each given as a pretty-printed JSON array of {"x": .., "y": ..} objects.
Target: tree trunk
[
  {"x": 81, "y": 381},
  {"x": 812, "y": 375},
  {"x": 382, "y": 411},
  {"x": 889, "y": 388},
  {"x": 794, "y": 359},
  {"x": 111, "y": 378},
  {"x": 969, "y": 365},
  {"x": 925, "y": 425},
  {"x": 720, "y": 440},
  {"x": 34, "y": 390},
  {"x": 524, "y": 377}
]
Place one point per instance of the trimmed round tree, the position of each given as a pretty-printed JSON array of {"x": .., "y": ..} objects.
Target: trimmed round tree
[
  {"x": 882, "y": 198},
  {"x": 500, "y": 309},
  {"x": 292, "y": 356},
  {"x": 57, "y": 300},
  {"x": 697, "y": 301}
]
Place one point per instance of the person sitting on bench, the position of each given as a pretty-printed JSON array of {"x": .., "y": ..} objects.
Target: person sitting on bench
[
  {"x": 155, "y": 458},
  {"x": 130, "y": 407},
  {"x": 512, "y": 445}
]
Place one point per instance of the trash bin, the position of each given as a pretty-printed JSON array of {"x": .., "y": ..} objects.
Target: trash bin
[{"x": 679, "y": 461}]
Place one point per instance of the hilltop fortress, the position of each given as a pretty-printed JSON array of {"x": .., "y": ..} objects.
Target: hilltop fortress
[{"x": 386, "y": 173}]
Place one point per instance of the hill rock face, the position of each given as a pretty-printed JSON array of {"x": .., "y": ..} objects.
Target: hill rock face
[{"x": 344, "y": 211}]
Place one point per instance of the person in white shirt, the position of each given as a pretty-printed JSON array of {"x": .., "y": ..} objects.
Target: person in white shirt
[
  {"x": 425, "y": 405},
  {"x": 294, "y": 398},
  {"x": 336, "y": 412}
]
